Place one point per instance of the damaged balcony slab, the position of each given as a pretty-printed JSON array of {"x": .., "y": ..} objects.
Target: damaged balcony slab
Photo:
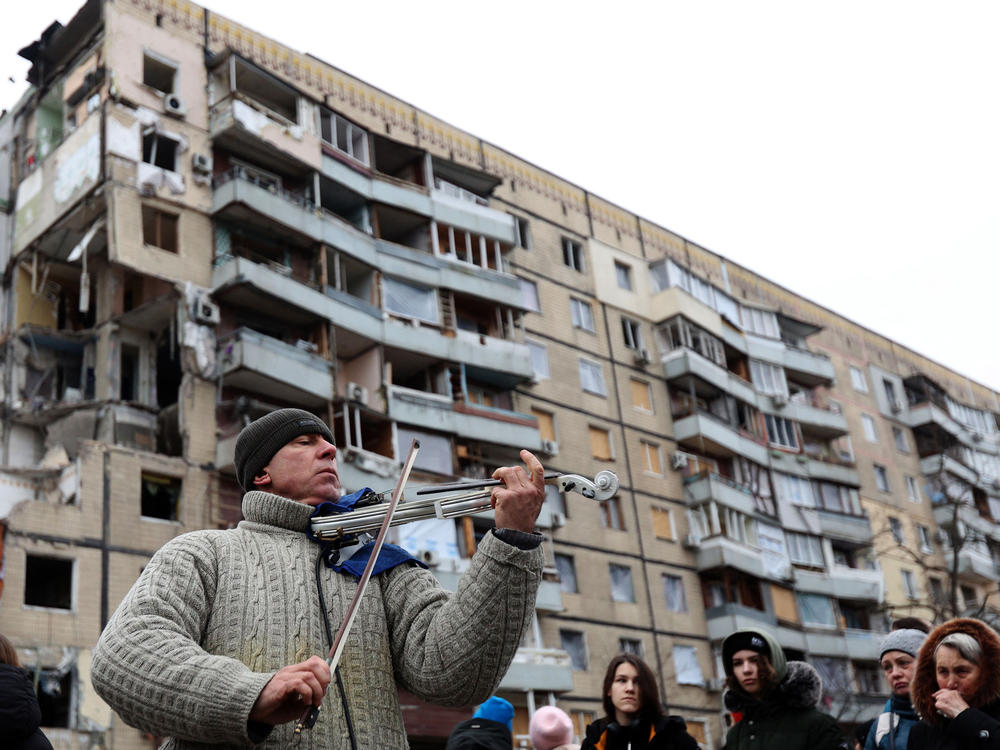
[
  {"x": 441, "y": 413},
  {"x": 259, "y": 363}
]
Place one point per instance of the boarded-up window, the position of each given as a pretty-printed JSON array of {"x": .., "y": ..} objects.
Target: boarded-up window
[
  {"x": 641, "y": 396},
  {"x": 784, "y": 604},
  {"x": 651, "y": 457},
  {"x": 663, "y": 524},
  {"x": 697, "y": 730},
  {"x": 600, "y": 443},
  {"x": 159, "y": 228},
  {"x": 546, "y": 423}
]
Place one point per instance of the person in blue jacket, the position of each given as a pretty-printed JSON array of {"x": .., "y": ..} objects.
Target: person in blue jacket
[{"x": 898, "y": 658}]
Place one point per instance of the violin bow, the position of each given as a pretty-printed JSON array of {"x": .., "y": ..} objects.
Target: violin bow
[{"x": 308, "y": 719}]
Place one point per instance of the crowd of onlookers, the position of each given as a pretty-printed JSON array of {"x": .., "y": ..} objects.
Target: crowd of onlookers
[{"x": 944, "y": 686}]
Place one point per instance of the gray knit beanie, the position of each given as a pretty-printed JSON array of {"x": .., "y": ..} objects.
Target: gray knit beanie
[
  {"x": 906, "y": 640},
  {"x": 261, "y": 439}
]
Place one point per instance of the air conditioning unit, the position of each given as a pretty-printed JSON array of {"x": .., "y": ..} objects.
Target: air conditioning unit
[
  {"x": 642, "y": 357},
  {"x": 690, "y": 541},
  {"x": 551, "y": 447},
  {"x": 205, "y": 311},
  {"x": 356, "y": 392},
  {"x": 678, "y": 461},
  {"x": 558, "y": 520},
  {"x": 201, "y": 163},
  {"x": 780, "y": 400},
  {"x": 174, "y": 105},
  {"x": 429, "y": 557}
]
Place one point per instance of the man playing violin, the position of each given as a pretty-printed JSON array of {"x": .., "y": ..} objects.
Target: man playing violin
[{"x": 220, "y": 639}]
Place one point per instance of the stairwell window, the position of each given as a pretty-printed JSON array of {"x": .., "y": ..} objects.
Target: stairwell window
[
  {"x": 881, "y": 477},
  {"x": 573, "y": 254},
  {"x": 592, "y": 377},
  {"x": 858, "y": 380},
  {"x": 622, "y": 589},
  {"x": 631, "y": 333},
  {"x": 582, "y": 314},
  {"x": 623, "y": 275}
]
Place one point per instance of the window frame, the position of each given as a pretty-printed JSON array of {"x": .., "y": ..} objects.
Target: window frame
[
  {"x": 595, "y": 369},
  {"x": 858, "y": 380},
  {"x": 623, "y": 273},
  {"x": 629, "y": 580},
  {"x": 581, "y": 314},
  {"x": 573, "y": 255}
]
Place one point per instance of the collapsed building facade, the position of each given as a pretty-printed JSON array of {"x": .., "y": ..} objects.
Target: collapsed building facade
[{"x": 201, "y": 225}]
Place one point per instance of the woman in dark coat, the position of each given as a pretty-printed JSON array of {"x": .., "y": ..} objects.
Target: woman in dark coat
[
  {"x": 956, "y": 688},
  {"x": 20, "y": 714},
  {"x": 634, "y": 718},
  {"x": 773, "y": 701}
]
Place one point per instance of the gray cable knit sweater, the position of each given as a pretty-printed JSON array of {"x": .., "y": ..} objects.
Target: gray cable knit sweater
[{"x": 215, "y": 613}]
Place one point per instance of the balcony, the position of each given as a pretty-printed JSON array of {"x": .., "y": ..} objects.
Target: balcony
[
  {"x": 256, "y": 362},
  {"x": 722, "y": 552},
  {"x": 946, "y": 462},
  {"x": 708, "y": 486},
  {"x": 704, "y": 432},
  {"x": 680, "y": 365},
  {"x": 728, "y": 618},
  {"x": 242, "y": 125},
  {"x": 804, "y": 366},
  {"x": 434, "y": 204},
  {"x": 815, "y": 420},
  {"x": 441, "y": 413},
  {"x": 860, "y": 645},
  {"x": 844, "y": 527},
  {"x": 944, "y": 517},
  {"x": 842, "y": 583},
  {"x": 543, "y": 669},
  {"x": 976, "y": 565}
]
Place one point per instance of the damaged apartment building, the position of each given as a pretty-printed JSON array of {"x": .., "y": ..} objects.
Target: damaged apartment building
[{"x": 201, "y": 224}]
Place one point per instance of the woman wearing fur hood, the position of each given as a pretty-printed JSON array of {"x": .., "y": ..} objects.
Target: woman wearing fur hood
[
  {"x": 773, "y": 700},
  {"x": 956, "y": 688}
]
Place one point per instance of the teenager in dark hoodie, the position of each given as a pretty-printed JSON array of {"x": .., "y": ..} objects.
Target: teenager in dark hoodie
[
  {"x": 774, "y": 700},
  {"x": 634, "y": 718},
  {"x": 956, "y": 689},
  {"x": 898, "y": 658},
  {"x": 19, "y": 711}
]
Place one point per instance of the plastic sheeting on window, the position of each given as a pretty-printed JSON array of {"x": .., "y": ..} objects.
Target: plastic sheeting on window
[
  {"x": 410, "y": 300},
  {"x": 622, "y": 589},
  {"x": 686, "y": 664},
  {"x": 816, "y": 610},
  {"x": 673, "y": 590}
]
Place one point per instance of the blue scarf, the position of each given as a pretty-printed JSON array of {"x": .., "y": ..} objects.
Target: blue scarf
[{"x": 390, "y": 555}]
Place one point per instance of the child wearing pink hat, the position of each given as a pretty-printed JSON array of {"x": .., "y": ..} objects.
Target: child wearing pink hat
[{"x": 551, "y": 729}]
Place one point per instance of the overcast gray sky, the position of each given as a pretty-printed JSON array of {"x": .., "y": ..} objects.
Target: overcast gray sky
[{"x": 849, "y": 151}]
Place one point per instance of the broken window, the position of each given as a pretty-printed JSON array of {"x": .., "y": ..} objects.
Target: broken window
[
  {"x": 160, "y": 150},
  {"x": 632, "y": 332},
  {"x": 161, "y": 497},
  {"x": 630, "y": 646},
  {"x": 158, "y": 72},
  {"x": 48, "y": 582},
  {"x": 129, "y": 373},
  {"x": 573, "y": 254},
  {"x": 55, "y": 697},
  {"x": 159, "y": 228},
  {"x": 345, "y": 136}
]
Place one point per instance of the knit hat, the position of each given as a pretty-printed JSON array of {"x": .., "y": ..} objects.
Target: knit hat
[
  {"x": 745, "y": 640},
  {"x": 497, "y": 709},
  {"x": 906, "y": 640},
  {"x": 261, "y": 439},
  {"x": 550, "y": 727}
]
